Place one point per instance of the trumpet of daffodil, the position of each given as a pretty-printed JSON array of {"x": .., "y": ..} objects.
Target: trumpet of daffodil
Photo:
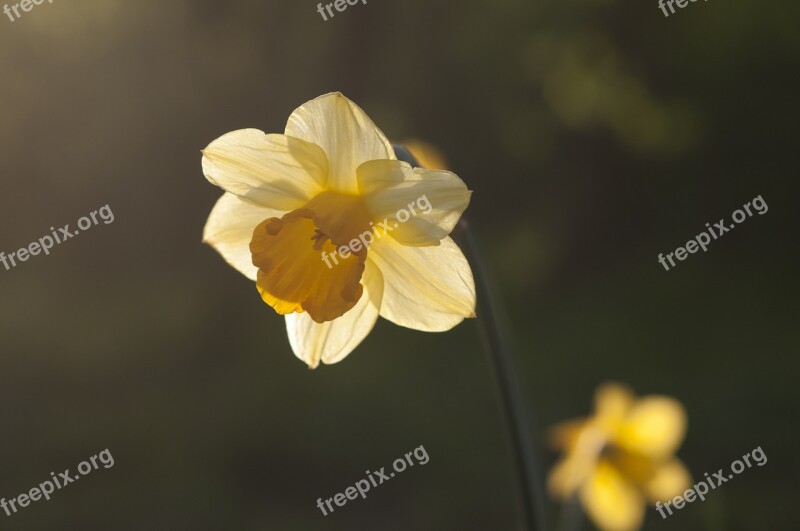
[
  {"x": 294, "y": 198},
  {"x": 621, "y": 457}
]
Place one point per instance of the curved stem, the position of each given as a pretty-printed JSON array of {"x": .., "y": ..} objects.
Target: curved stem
[
  {"x": 490, "y": 323},
  {"x": 495, "y": 338}
]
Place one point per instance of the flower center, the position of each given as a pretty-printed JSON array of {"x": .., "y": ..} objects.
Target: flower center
[{"x": 293, "y": 274}]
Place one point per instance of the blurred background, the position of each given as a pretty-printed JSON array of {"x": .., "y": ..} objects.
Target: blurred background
[{"x": 595, "y": 135}]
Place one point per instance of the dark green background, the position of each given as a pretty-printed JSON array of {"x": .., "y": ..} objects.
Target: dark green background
[{"x": 595, "y": 135}]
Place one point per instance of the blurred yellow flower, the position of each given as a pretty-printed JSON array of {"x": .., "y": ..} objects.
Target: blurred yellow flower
[
  {"x": 295, "y": 198},
  {"x": 621, "y": 456},
  {"x": 428, "y": 155}
]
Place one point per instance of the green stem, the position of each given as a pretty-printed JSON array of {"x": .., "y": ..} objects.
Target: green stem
[
  {"x": 571, "y": 514},
  {"x": 495, "y": 338}
]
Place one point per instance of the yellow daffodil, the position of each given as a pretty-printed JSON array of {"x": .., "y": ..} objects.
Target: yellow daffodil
[
  {"x": 621, "y": 456},
  {"x": 319, "y": 189}
]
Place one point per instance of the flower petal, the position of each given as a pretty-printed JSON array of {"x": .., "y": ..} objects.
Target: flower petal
[
  {"x": 425, "y": 288},
  {"x": 580, "y": 462},
  {"x": 428, "y": 155},
  {"x": 564, "y": 435},
  {"x": 331, "y": 341},
  {"x": 424, "y": 205},
  {"x": 670, "y": 479},
  {"x": 611, "y": 502},
  {"x": 346, "y": 134},
  {"x": 229, "y": 230},
  {"x": 569, "y": 474},
  {"x": 654, "y": 427},
  {"x": 274, "y": 171},
  {"x": 612, "y": 402}
]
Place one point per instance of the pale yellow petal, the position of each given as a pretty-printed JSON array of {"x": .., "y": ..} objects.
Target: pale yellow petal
[
  {"x": 346, "y": 134},
  {"x": 273, "y": 171},
  {"x": 612, "y": 503},
  {"x": 654, "y": 427},
  {"x": 229, "y": 230},
  {"x": 425, "y": 288},
  {"x": 670, "y": 479},
  {"x": 423, "y": 205},
  {"x": 331, "y": 341}
]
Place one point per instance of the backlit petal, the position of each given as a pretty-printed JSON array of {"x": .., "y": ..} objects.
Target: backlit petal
[
  {"x": 229, "y": 230},
  {"x": 273, "y": 171},
  {"x": 331, "y": 341},
  {"x": 654, "y": 427},
  {"x": 346, "y": 134},
  {"x": 425, "y": 288},
  {"x": 425, "y": 205},
  {"x": 611, "y": 502}
]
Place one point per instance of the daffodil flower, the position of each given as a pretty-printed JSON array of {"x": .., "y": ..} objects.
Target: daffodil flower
[
  {"x": 330, "y": 177},
  {"x": 621, "y": 456}
]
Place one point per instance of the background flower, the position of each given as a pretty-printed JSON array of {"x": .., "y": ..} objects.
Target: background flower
[{"x": 621, "y": 457}]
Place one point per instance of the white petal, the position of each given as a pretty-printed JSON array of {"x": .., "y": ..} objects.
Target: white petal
[
  {"x": 424, "y": 205},
  {"x": 274, "y": 171},
  {"x": 229, "y": 230},
  {"x": 331, "y": 341},
  {"x": 425, "y": 288},
  {"x": 346, "y": 134}
]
